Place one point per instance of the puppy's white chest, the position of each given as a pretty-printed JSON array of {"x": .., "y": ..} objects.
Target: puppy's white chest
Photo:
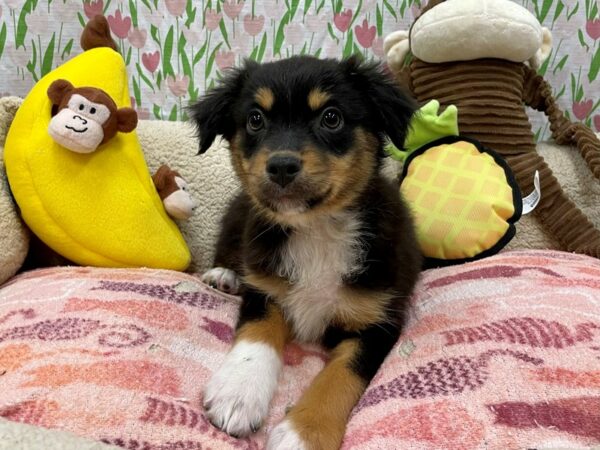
[{"x": 315, "y": 260}]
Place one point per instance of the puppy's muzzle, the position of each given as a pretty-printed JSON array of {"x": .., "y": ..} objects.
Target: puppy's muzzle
[{"x": 283, "y": 169}]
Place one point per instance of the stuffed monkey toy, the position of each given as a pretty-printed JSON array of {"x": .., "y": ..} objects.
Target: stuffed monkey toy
[{"x": 482, "y": 56}]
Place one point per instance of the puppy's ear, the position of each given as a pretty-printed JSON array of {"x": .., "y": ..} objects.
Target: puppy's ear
[
  {"x": 213, "y": 113},
  {"x": 391, "y": 107}
]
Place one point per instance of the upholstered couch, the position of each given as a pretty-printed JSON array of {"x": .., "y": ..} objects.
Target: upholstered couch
[{"x": 503, "y": 353}]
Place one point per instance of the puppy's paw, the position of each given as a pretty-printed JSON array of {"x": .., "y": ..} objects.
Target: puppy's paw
[
  {"x": 222, "y": 279},
  {"x": 284, "y": 437},
  {"x": 237, "y": 396}
]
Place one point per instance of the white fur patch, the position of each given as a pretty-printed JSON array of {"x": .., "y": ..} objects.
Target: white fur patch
[
  {"x": 225, "y": 280},
  {"x": 284, "y": 437},
  {"x": 315, "y": 259},
  {"x": 237, "y": 396}
]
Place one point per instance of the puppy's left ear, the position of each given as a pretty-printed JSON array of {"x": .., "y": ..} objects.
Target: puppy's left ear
[
  {"x": 213, "y": 113},
  {"x": 391, "y": 107}
]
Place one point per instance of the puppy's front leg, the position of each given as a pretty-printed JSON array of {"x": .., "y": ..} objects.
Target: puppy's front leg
[
  {"x": 318, "y": 420},
  {"x": 238, "y": 395}
]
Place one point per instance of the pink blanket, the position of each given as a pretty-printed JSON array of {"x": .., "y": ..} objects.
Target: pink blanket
[{"x": 503, "y": 353}]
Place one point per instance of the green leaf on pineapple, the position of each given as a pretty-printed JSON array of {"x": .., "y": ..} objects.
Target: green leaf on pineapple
[{"x": 48, "y": 56}]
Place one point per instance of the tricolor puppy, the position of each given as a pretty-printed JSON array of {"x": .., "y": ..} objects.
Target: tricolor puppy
[{"x": 323, "y": 246}]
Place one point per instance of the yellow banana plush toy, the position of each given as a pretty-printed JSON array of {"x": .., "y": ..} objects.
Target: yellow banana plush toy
[{"x": 78, "y": 174}]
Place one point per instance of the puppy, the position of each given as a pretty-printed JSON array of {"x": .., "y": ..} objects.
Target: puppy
[{"x": 323, "y": 245}]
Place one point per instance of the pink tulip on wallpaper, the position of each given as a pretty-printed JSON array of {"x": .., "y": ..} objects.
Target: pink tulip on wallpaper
[
  {"x": 232, "y": 8},
  {"x": 212, "y": 19},
  {"x": 175, "y": 7},
  {"x": 593, "y": 28},
  {"x": 294, "y": 34},
  {"x": 582, "y": 109},
  {"x": 342, "y": 20},
  {"x": 193, "y": 37},
  {"x": 365, "y": 34},
  {"x": 92, "y": 9},
  {"x": 253, "y": 25},
  {"x": 137, "y": 37},
  {"x": 119, "y": 25},
  {"x": 224, "y": 59},
  {"x": 178, "y": 84},
  {"x": 150, "y": 61}
]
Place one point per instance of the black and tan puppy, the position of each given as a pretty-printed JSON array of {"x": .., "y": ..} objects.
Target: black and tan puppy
[{"x": 324, "y": 247}]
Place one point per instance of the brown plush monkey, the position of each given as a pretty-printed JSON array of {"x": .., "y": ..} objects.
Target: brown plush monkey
[
  {"x": 173, "y": 191},
  {"x": 84, "y": 118},
  {"x": 483, "y": 59}
]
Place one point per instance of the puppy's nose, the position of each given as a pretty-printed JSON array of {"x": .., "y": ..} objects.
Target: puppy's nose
[{"x": 283, "y": 169}]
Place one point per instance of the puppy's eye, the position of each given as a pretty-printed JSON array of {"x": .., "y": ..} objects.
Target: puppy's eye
[
  {"x": 256, "y": 121},
  {"x": 332, "y": 119}
]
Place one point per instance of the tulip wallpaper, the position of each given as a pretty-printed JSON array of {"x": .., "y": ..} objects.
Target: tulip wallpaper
[{"x": 176, "y": 49}]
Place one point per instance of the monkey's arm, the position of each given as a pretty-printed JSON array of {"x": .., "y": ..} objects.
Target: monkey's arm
[{"x": 538, "y": 95}]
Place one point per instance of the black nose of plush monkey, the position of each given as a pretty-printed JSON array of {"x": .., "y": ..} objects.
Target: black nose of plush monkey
[
  {"x": 283, "y": 169},
  {"x": 81, "y": 119}
]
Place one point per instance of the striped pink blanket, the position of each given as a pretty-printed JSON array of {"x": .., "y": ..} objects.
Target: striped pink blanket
[{"x": 503, "y": 353}]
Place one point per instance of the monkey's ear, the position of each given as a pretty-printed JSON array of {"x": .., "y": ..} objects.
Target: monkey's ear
[
  {"x": 213, "y": 113},
  {"x": 58, "y": 90},
  {"x": 160, "y": 177},
  {"x": 126, "y": 120},
  {"x": 390, "y": 105}
]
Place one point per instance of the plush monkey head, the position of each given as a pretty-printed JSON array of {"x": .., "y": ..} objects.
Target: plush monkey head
[
  {"x": 84, "y": 118},
  {"x": 465, "y": 30},
  {"x": 174, "y": 193}
]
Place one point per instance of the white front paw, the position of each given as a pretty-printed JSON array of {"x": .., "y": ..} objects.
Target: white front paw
[
  {"x": 284, "y": 437},
  {"x": 225, "y": 280},
  {"x": 237, "y": 396}
]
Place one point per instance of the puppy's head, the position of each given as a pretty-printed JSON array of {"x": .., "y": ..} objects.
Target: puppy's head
[{"x": 306, "y": 135}]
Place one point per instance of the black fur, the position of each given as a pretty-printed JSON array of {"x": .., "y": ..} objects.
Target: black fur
[{"x": 252, "y": 238}]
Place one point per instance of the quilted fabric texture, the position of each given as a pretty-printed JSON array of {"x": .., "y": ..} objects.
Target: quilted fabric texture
[{"x": 500, "y": 353}]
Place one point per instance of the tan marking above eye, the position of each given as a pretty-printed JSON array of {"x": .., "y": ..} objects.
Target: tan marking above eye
[
  {"x": 265, "y": 98},
  {"x": 317, "y": 98}
]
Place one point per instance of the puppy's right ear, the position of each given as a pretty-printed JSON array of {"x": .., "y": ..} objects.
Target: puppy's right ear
[{"x": 213, "y": 113}]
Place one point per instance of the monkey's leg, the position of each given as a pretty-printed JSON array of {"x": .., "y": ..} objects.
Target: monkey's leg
[
  {"x": 559, "y": 215},
  {"x": 538, "y": 95}
]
